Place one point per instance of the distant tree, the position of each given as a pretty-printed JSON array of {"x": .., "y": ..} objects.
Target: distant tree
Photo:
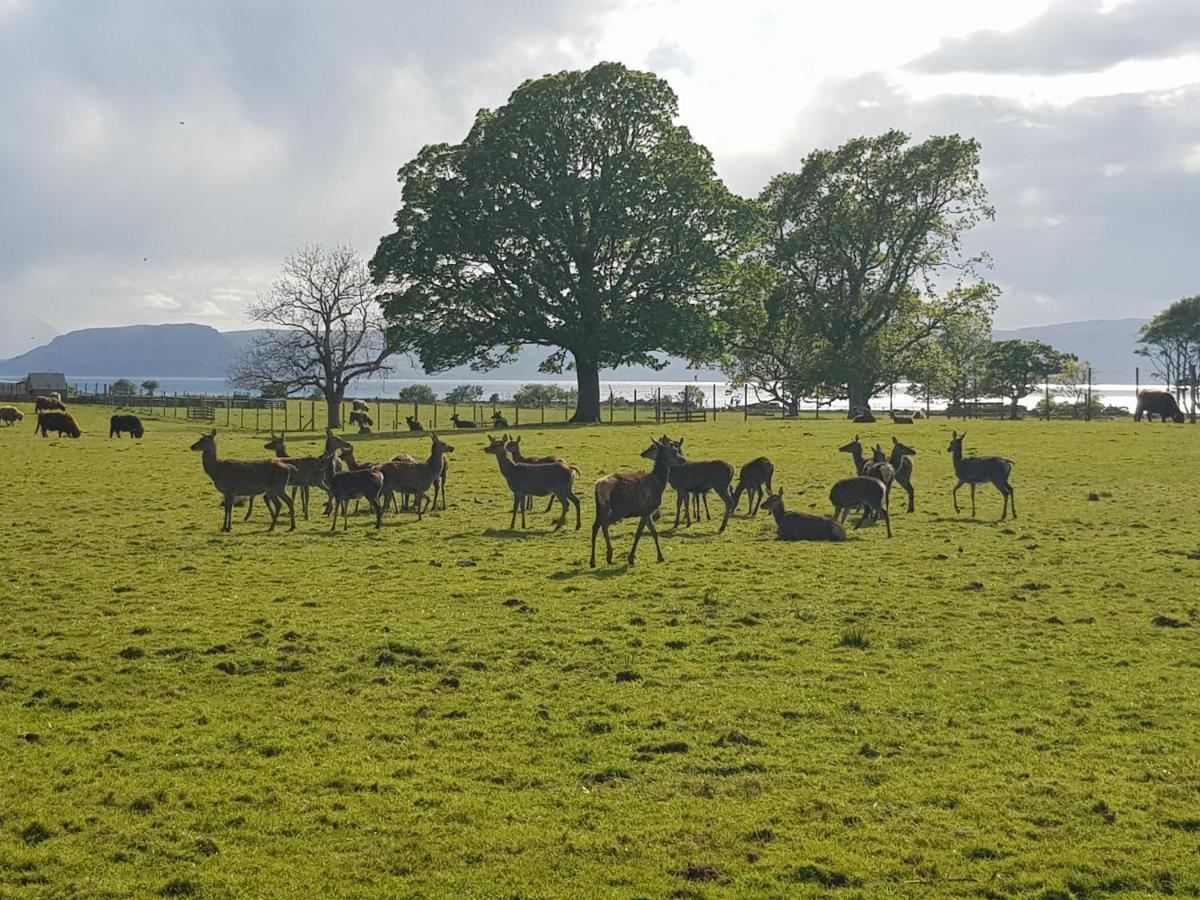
[
  {"x": 465, "y": 393},
  {"x": 1171, "y": 341},
  {"x": 855, "y": 242},
  {"x": 691, "y": 396},
  {"x": 149, "y": 387},
  {"x": 418, "y": 393},
  {"x": 536, "y": 394},
  {"x": 325, "y": 328},
  {"x": 279, "y": 392},
  {"x": 1015, "y": 369},
  {"x": 580, "y": 217},
  {"x": 122, "y": 387},
  {"x": 954, "y": 362}
]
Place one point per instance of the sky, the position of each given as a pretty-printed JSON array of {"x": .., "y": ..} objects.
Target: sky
[{"x": 158, "y": 160}]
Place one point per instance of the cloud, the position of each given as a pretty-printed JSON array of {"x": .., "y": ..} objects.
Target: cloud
[
  {"x": 1075, "y": 36},
  {"x": 155, "y": 300},
  {"x": 668, "y": 56}
]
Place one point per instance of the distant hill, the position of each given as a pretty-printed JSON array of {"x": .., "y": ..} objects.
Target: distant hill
[{"x": 1108, "y": 344}]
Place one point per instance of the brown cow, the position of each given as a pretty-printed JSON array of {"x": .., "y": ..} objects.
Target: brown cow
[
  {"x": 1157, "y": 403},
  {"x": 62, "y": 422}
]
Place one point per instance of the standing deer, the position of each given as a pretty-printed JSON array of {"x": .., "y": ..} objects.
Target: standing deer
[
  {"x": 797, "y": 526},
  {"x": 901, "y": 460},
  {"x": 694, "y": 480},
  {"x": 553, "y": 479},
  {"x": 863, "y": 491},
  {"x": 235, "y": 479},
  {"x": 352, "y": 484},
  {"x": 635, "y": 495},
  {"x": 753, "y": 477},
  {"x": 415, "y": 478},
  {"x": 974, "y": 470},
  {"x": 873, "y": 468},
  {"x": 514, "y": 448},
  {"x": 310, "y": 470}
]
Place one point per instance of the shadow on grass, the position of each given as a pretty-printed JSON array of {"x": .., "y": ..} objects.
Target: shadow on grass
[
  {"x": 602, "y": 572},
  {"x": 517, "y": 534}
]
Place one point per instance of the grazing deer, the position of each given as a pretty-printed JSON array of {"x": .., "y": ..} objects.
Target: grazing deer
[
  {"x": 553, "y": 479},
  {"x": 974, "y": 470},
  {"x": 415, "y": 478},
  {"x": 635, "y": 495},
  {"x": 797, "y": 526},
  {"x": 696, "y": 479},
  {"x": 514, "y": 448},
  {"x": 413, "y": 424},
  {"x": 902, "y": 464},
  {"x": 498, "y": 421},
  {"x": 310, "y": 470},
  {"x": 235, "y": 479},
  {"x": 462, "y": 423},
  {"x": 863, "y": 491},
  {"x": 352, "y": 484},
  {"x": 753, "y": 477}
]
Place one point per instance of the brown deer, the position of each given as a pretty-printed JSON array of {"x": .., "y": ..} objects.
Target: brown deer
[
  {"x": 514, "y": 448},
  {"x": 898, "y": 419},
  {"x": 352, "y": 484},
  {"x": 413, "y": 424},
  {"x": 310, "y": 470},
  {"x": 873, "y": 468},
  {"x": 797, "y": 526},
  {"x": 415, "y": 478},
  {"x": 863, "y": 491},
  {"x": 234, "y": 479},
  {"x": 753, "y": 477},
  {"x": 974, "y": 470},
  {"x": 694, "y": 480},
  {"x": 901, "y": 460},
  {"x": 635, "y": 495},
  {"x": 462, "y": 423},
  {"x": 553, "y": 479},
  {"x": 498, "y": 421}
]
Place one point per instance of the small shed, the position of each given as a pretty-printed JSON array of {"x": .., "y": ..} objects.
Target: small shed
[{"x": 42, "y": 384}]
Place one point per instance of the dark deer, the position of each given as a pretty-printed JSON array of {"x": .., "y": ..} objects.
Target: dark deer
[
  {"x": 235, "y": 479},
  {"x": 352, "y": 484},
  {"x": 797, "y": 526},
  {"x": 694, "y": 480},
  {"x": 898, "y": 419},
  {"x": 514, "y": 448},
  {"x": 873, "y": 468},
  {"x": 413, "y": 424},
  {"x": 635, "y": 495},
  {"x": 974, "y": 470},
  {"x": 901, "y": 460},
  {"x": 553, "y": 479},
  {"x": 462, "y": 423},
  {"x": 310, "y": 470},
  {"x": 868, "y": 493},
  {"x": 498, "y": 421},
  {"x": 753, "y": 477},
  {"x": 415, "y": 478}
]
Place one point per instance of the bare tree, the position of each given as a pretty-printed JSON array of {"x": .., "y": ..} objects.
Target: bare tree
[{"x": 325, "y": 328}]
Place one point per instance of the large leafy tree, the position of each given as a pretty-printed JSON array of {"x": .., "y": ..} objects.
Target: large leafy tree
[
  {"x": 953, "y": 364},
  {"x": 1171, "y": 341},
  {"x": 865, "y": 243},
  {"x": 1015, "y": 369},
  {"x": 324, "y": 329},
  {"x": 578, "y": 217}
]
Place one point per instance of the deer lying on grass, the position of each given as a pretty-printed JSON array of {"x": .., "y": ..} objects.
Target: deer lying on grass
[
  {"x": 694, "y": 480},
  {"x": 975, "y": 470},
  {"x": 462, "y": 423},
  {"x": 553, "y": 479},
  {"x": 901, "y": 460},
  {"x": 415, "y": 478},
  {"x": 498, "y": 421},
  {"x": 863, "y": 491},
  {"x": 413, "y": 424},
  {"x": 898, "y": 419},
  {"x": 351, "y": 484},
  {"x": 635, "y": 495},
  {"x": 310, "y": 470},
  {"x": 234, "y": 479},
  {"x": 753, "y": 477},
  {"x": 798, "y": 526}
]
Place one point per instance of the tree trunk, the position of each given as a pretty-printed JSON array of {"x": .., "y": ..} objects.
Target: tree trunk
[
  {"x": 858, "y": 398},
  {"x": 1013, "y": 414},
  {"x": 333, "y": 403},
  {"x": 587, "y": 377},
  {"x": 793, "y": 407}
]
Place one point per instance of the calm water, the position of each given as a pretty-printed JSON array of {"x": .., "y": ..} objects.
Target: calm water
[{"x": 1109, "y": 394}]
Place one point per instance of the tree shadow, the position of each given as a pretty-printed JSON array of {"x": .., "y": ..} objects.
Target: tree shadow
[{"x": 599, "y": 573}]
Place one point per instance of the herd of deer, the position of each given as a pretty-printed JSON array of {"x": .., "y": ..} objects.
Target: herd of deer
[{"x": 623, "y": 495}]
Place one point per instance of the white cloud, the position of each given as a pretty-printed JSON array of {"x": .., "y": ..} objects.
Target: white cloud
[{"x": 155, "y": 300}]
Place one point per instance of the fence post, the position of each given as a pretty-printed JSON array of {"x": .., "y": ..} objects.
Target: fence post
[
  {"x": 1047, "y": 399},
  {"x": 286, "y": 404},
  {"x": 1087, "y": 410},
  {"x": 543, "y": 410},
  {"x": 610, "y": 406},
  {"x": 272, "y": 417},
  {"x": 714, "y": 401},
  {"x": 435, "y": 414},
  {"x": 635, "y": 406},
  {"x": 516, "y": 414},
  {"x": 745, "y": 402}
]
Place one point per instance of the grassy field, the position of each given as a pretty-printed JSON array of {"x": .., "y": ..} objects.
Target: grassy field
[{"x": 973, "y": 708}]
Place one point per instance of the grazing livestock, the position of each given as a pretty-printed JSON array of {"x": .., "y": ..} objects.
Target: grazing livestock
[
  {"x": 413, "y": 424},
  {"x": 1157, "y": 403},
  {"x": 235, "y": 479},
  {"x": 49, "y": 404},
  {"x": 635, "y": 495},
  {"x": 10, "y": 415},
  {"x": 696, "y": 479},
  {"x": 310, "y": 470},
  {"x": 901, "y": 460},
  {"x": 975, "y": 470},
  {"x": 797, "y": 526},
  {"x": 514, "y": 448},
  {"x": 753, "y": 477},
  {"x": 117, "y": 425},
  {"x": 552, "y": 479},
  {"x": 415, "y": 478},
  {"x": 919, "y": 414},
  {"x": 869, "y": 493},
  {"x": 462, "y": 423},
  {"x": 353, "y": 484},
  {"x": 362, "y": 420},
  {"x": 61, "y": 422},
  {"x": 498, "y": 421}
]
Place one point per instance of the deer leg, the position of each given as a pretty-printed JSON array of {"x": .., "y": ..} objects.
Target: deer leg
[
  {"x": 336, "y": 505},
  {"x": 654, "y": 534},
  {"x": 378, "y": 509},
  {"x": 523, "y": 525},
  {"x": 707, "y": 515},
  {"x": 249, "y": 509},
  {"x": 679, "y": 498},
  {"x": 972, "y": 500},
  {"x": 906, "y": 483},
  {"x": 291, "y": 505},
  {"x": 273, "y": 506},
  {"x": 954, "y": 494},
  {"x": 561, "y": 520},
  {"x": 887, "y": 520},
  {"x": 637, "y": 536},
  {"x": 1012, "y": 496},
  {"x": 575, "y": 500},
  {"x": 728, "y": 509},
  {"x": 227, "y": 524},
  {"x": 595, "y": 529}
]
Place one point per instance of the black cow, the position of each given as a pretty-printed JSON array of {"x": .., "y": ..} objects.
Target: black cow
[
  {"x": 120, "y": 424},
  {"x": 1157, "y": 403}
]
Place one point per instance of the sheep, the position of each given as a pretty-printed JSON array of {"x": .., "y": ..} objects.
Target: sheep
[
  {"x": 974, "y": 470},
  {"x": 462, "y": 423},
  {"x": 10, "y": 415},
  {"x": 413, "y": 477},
  {"x": 697, "y": 479},
  {"x": 1160, "y": 403},
  {"x": 864, "y": 491},
  {"x": 797, "y": 526},
  {"x": 554, "y": 479},
  {"x": 351, "y": 485},
  {"x": 120, "y": 424},
  {"x": 752, "y": 478},
  {"x": 62, "y": 422},
  {"x": 235, "y": 479},
  {"x": 635, "y": 495}
]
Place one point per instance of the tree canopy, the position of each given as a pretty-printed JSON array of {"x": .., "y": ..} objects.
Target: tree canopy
[
  {"x": 1171, "y": 341},
  {"x": 1015, "y": 369},
  {"x": 579, "y": 217}
]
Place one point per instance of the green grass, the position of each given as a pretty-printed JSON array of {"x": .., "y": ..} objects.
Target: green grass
[{"x": 972, "y": 708}]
